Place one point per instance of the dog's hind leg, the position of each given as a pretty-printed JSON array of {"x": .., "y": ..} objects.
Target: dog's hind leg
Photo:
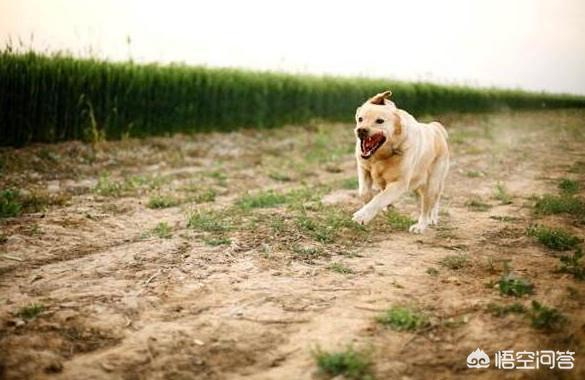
[{"x": 438, "y": 179}]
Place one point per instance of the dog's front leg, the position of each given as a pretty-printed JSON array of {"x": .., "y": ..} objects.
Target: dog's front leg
[
  {"x": 390, "y": 194},
  {"x": 364, "y": 183}
]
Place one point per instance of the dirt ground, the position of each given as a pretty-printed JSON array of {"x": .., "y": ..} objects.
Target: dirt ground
[{"x": 257, "y": 264}]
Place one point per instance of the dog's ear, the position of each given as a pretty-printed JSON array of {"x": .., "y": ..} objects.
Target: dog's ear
[{"x": 379, "y": 99}]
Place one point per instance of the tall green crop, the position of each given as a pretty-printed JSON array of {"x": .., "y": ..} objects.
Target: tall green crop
[{"x": 57, "y": 97}]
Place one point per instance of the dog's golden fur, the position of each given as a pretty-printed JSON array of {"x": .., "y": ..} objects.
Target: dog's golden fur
[{"x": 411, "y": 156}]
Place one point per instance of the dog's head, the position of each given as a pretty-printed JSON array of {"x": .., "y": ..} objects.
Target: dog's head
[{"x": 377, "y": 124}]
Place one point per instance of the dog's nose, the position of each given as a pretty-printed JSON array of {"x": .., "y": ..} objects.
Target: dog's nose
[{"x": 362, "y": 133}]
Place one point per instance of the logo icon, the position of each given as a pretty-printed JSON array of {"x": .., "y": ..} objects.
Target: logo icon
[{"x": 478, "y": 359}]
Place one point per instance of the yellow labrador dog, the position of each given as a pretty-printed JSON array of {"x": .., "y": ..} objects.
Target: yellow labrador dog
[{"x": 395, "y": 153}]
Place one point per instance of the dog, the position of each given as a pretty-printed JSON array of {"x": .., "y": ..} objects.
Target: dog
[{"x": 395, "y": 154}]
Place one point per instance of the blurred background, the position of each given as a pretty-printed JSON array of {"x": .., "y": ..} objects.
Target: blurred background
[
  {"x": 532, "y": 44},
  {"x": 93, "y": 70}
]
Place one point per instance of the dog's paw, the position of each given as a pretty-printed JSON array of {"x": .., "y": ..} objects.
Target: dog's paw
[
  {"x": 417, "y": 228},
  {"x": 364, "y": 215}
]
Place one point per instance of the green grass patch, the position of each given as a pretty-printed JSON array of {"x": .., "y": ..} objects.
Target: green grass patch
[
  {"x": 350, "y": 183},
  {"x": 572, "y": 264},
  {"x": 402, "y": 318},
  {"x": 399, "y": 221},
  {"x": 265, "y": 199},
  {"x": 340, "y": 268},
  {"x": 162, "y": 201},
  {"x": 10, "y": 203},
  {"x": 108, "y": 187},
  {"x": 349, "y": 363},
  {"x": 503, "y": 310},
  {"x": 511, "y": 285},
  {"x": 502, "y": 194},
  {"x": 455, "y": 262},
  {"x": 550, "y": 204},
  {"x": 306, "y": 253},
  {"x": 163, "y": 230},
  {"x": 474, "y": 174},
  {"x": 477, "y": 205},
  {"x": 278, "y": 176},
  {"x": 208, "y": 221},
  {"x": 546, "y": 318},
  {"x": 204, "y": 196},
  {"x": 30, "y": 311},
  {"x": 216, "y": 241},
  {"x": 569, "y": 186},
  {"x": 556, "y": 239}
]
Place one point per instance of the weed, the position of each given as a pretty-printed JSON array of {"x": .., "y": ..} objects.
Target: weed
[
  {"x": 511, "y": 285},
  {"x": 162, "y": 201},
  {"x": 163, "y": 230},
  {"x": 307, "y": 254},
  {"x": 31, "y": 311},
  {"x": 432, "y": 271},
  {"x": 208, "y": 221},
  {"x": 10, "y": 203},
  {"x": 350, "y": 364},
  {"x": 398, "y": 221},
  {"x": 550, "y": 204},
  {"x": 546, "y": 318},
  {"x": 455, "y": 262},
  {"x": 265, "y": 199},
  {"x": 108, "y": 187},
  {"x": 554, "y": 238},
  {"x": 569, "y": 186},
  {"x": 340, "y": 268},
  {"x": 502, "y": 195},
  {"x": 477, "y": 205},
  {"x": 572, "y": 265},
  {"x": 401, "y": 318},
  {"x": 474, "y": 173},
  {"x": 217, "y": 241},
  {"x": 503, "y": 310},
  {"x": 205, "y": 196},
  {"x": 277, "y": 176},
  {"x": 504, "y": 218}
]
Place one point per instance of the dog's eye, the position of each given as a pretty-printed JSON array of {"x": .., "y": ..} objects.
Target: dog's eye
[
  {"x": 380, "y": 121},
  {"x": 360, "y": 119}
]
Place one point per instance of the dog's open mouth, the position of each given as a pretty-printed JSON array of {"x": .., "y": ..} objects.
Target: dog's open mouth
[{"x": 371, "y": 144}]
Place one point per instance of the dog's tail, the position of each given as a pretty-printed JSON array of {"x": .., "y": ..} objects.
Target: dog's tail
[{"x": 441, "y": 129}]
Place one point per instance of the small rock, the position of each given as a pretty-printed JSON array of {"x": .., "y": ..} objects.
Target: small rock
[{"x": 198, "y": 342}]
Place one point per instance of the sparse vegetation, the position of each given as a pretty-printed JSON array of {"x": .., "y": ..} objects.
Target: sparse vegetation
[
  {"x": 10, "y": 204},
  {"x": 503, "y": 310},
  {"x": 108, "y": 187},
  {"x": 162, "y": 201},
  {"x": 477, "y": 205},
  {"x": 398, "y": 221},
  {"x": 350, "y": 364},
  {"x": 556, "y": 239},
  {"x": 546, "y": 318},
  {"x": 266, "y": 199},
  {"x": 402, "y": 318},
  {"x": 502, "y": 194},
  {"x": 432, "y": 271},
  {"x": 307, "y": 254},
  {"x": 215, "y": 241},
  {"x": 30, "y": 311},
  {"x": 512, "y": 285},
  {"x": 455, "y": 262},
  {"x": 208, "y": 221},
  {"x": 163, "y": 230},
  {"x": 569, "y": 186},
  {"x": 550, "y": 204},
  {"x": 340, "y": 268},
  {"x": 572, "y": 264}
]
